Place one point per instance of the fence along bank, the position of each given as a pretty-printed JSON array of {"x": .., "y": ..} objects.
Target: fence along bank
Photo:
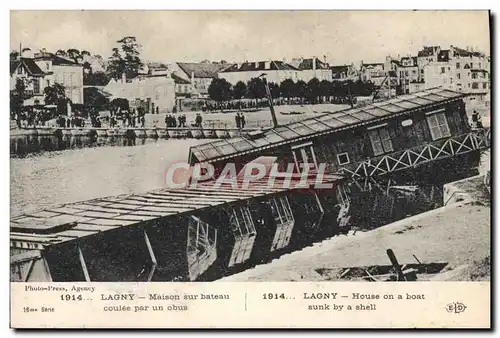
[{"x": 204, "y": 233}]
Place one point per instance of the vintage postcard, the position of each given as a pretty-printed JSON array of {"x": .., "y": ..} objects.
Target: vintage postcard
[{"x": 250, "y": 169}]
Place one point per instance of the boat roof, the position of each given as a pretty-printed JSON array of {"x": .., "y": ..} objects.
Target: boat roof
[
  {"x": 324, "y": 123},
  {"x": 81, "y": 219}
]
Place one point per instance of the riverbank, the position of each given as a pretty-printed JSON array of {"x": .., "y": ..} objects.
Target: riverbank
[{"x": 457, "y": 234}]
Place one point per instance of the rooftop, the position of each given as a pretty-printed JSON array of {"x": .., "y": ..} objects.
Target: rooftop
[
  {"x": 29, "y": 65},
  {"x": 322, "y": 124},
  {"x": 56, "y": 60},
  {"x": 202, "y": 70},
  {"x": 259, "y": 66}
]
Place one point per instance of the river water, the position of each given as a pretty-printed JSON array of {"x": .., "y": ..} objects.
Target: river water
[{"x": 46, "y": 179}]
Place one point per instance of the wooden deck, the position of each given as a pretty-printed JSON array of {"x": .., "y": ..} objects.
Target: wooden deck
[{"x": 71, "y": 221}]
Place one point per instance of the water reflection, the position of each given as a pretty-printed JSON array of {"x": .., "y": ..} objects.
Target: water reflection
[{"x": 21, "y": 146}]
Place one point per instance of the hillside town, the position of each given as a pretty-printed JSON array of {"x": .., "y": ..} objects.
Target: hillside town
[{"x": 81, "y": 85}]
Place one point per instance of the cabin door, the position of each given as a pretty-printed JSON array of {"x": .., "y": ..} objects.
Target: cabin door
[{"x": 304, "y": 157}]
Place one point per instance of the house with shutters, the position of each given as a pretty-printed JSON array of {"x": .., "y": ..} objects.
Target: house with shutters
[{"x": 27, "y": 70}]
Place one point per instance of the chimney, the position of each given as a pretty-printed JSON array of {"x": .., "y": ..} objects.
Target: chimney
[
  {"x": 124, "y": 78},
  {"x": 314, "y": 63},
  {"x": 192, "y": 77},
  {"x": 324, "y": 59},
  {"x": 256, "y": 64}
]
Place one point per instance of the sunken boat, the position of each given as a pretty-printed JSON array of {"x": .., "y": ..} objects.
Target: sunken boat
[{"x": 206, "y": 231}]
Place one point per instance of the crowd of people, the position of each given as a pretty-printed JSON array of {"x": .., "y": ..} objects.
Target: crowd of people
[{"x": 70, "y": 122}]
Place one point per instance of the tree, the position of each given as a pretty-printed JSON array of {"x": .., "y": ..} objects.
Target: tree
[
  {"x": 14, "y": 55},
  {"x": 94, "y": 98},
  {"x": 61, "y": 52},
  {"x": 274, "y": 88},
  {"x": 286, "y": 89},
  {"x": 239, "y": 90},
  {"x": 56, "y": 95},
  {"x": 119, "y": 104},
  {"x": 312, "y": 91},
  {"x": 256, "y": 88},
  {"x": 325, "y": 89},
  {"x": 125, "y": 59},
  {"x": 219, "y": 90},
  {"x": 17, "y": 96},
  {"x": 299, "y": 90}
]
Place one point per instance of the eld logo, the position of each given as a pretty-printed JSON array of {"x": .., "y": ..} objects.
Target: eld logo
[{"x": 455, "y": 307}]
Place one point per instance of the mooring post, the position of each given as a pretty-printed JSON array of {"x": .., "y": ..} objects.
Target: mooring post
[{"x": 395, "y": 264}]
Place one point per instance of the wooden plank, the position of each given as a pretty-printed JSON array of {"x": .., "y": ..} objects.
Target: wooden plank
[
  {"x": 44, "y": 214},
  {"x": 125, "y": 206},
  {"x": 97, "y": 214},
  {"x": 76, "y": 233},
  {"x": 153, "y": 213},
  {"x": 65, "y": 210},
  {"x": 112, "y": 222},
  {"x": 158, "y": 207},
  {"x": 94, "y": 227},
  {"x": 89, "y": 207},
  {"x": 137, "y": 218},
  {"x": 182, "y": 202},
  {"x": 28, "y": 238},
  {"x": 213, "y": 198},
  {"x": 26, "y": 221}
]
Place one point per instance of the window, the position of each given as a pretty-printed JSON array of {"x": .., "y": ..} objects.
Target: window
[
  {"x": 19, "y": 70},
  {"x": 36, "y": 86},
  {"x": 438, "y": 125},
  {"x": 474, "y": 75},
  {"x": 443, "y": 70},
  {"x": 458, "y": 76},
  {"x": 47, "y": 83},
  {"x": 485, "y": 85},
  {"x": 304, "y": 156},
  {"x": 458, "y": 65},
  {"x": 479, "y": 65},
  {"x": 380, "y": 140},
  {"x": 343, "y": 158}
]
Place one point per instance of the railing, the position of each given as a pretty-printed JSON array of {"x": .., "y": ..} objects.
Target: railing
[{"x": 410, "y": 158}]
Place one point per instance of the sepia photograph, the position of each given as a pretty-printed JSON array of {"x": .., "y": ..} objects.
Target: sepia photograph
[{"x": 250, "y": 146}]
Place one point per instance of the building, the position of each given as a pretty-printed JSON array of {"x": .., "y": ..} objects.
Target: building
[
  {"x": 373, "y": 72},
  {"x": 408, "y": 75},
  {"x": 148, "y": 91},
  {"x": 344, "y": 73},
  {"x": 312, "y": 68},
  {"x": 63, "y": 71},
  {"x": 276, "y": 71},
  {"x": 199, "y": 75},
  {"x": 183, "y": 87},
  {"x": 32, "y": 76},
  {"x": 462, "y": 70}
]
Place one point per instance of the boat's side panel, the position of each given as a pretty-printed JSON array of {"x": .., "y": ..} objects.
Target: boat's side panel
[
  {"x": 64, "y": 263},
  {"x": 168, "y": 239},
  {"x": 117, "y": 256}
]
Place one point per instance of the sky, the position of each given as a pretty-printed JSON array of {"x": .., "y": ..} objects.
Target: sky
[{"x": 235, "y": 36}]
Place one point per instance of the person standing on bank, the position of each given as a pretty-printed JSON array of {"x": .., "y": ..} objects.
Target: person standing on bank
[
  {"x": 243, "y": 122},
  {"x": 238, "y": 120}
]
